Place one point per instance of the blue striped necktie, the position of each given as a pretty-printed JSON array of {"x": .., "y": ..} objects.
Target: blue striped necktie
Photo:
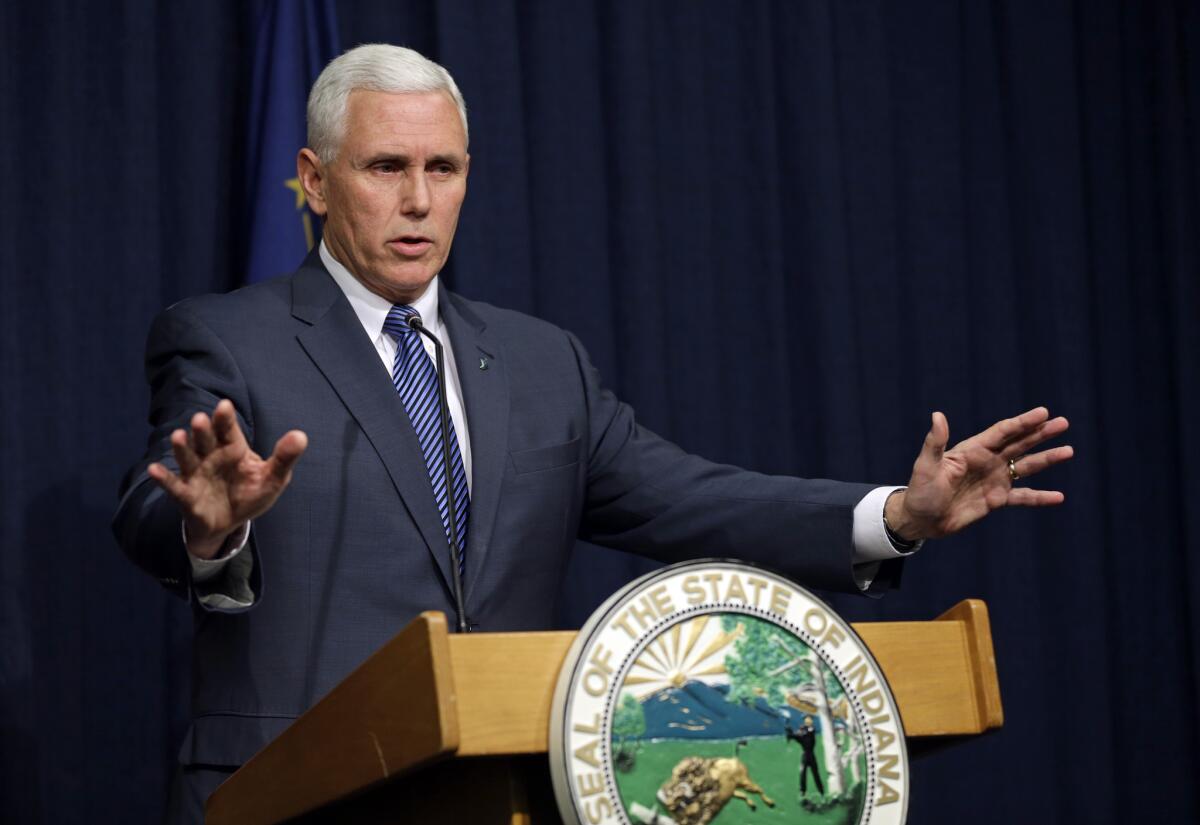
[{"x": 416, "y": 381}]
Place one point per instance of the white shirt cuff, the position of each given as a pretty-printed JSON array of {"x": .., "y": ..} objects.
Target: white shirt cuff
[
  {"x": 871, "y": 542},
  {"x": 205, "y": 569}
]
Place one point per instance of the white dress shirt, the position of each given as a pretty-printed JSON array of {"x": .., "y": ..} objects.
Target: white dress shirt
[{"x": 372, "y": 311}]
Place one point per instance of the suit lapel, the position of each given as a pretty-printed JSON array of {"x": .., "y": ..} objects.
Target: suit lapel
[
  {"x": 481, "y": 371},
  {"x": 336, "y": 343}
]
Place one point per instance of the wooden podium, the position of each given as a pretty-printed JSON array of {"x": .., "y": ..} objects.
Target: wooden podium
[{"x": 440, "y": 727}]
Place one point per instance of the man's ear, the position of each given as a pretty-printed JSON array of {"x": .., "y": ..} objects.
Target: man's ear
[{"x": 312, "y": 177}]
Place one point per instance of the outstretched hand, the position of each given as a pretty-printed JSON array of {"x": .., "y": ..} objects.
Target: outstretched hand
[
  {"x": 222, "y": 483},
  {"x": 951, "y": 489}
]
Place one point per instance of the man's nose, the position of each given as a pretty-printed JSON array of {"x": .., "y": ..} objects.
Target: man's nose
[{"x": 415, "y": 196}]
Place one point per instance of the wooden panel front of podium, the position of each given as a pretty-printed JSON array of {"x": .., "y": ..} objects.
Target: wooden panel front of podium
[
  {"x": 394, "y": 713},
  {"x": 502, "y": 790},
  {"x": 484, "y": 699},
  {"x": 942, "y": 673}
]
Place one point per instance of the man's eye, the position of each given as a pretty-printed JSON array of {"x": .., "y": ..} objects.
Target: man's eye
[{"x": 386, "y": 168}]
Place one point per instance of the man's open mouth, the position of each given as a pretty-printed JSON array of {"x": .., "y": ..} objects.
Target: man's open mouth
[{"x": 410, "y": 244}]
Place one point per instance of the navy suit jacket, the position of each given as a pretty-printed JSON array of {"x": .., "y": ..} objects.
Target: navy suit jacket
[{"x": 355, "y": 547}]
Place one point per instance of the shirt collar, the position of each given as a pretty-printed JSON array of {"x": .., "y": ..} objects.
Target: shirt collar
[{"x": 372, "y": 309}]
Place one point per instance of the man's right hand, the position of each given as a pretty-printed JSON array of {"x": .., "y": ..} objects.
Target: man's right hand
[{"x": 222, "y": 483}]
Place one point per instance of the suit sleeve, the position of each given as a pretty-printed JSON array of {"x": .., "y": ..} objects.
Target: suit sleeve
[
  {"x": 189, "y": 370},
  {"x": 645, "y": 495}
]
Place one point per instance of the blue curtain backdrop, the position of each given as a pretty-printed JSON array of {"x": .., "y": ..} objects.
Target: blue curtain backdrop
[{"x": 787, "y": 231}]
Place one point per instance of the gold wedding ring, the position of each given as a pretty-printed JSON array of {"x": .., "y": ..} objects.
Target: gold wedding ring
[{"x": 1012, "y": 470}]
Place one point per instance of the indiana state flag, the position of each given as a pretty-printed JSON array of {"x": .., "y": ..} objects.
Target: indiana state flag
[{"x": 293, "y": 40}]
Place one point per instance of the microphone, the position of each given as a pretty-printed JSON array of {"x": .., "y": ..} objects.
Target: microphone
[{"x": 464, "y": 626}]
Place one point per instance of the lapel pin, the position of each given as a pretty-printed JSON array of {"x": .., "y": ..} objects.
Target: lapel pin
[{"x": 483, "y": 363}]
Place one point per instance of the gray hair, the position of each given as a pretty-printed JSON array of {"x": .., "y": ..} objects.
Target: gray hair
[{"x": 376, "y": 67}]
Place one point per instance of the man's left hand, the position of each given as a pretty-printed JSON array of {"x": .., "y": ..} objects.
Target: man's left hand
[{"x": 951, "y": 489}]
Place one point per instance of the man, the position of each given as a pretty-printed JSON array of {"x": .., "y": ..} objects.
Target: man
[
  {"x": 292, "y": 591},
  {"x": 807, "y": 739}
]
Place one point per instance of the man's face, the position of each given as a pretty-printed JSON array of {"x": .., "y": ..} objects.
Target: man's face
[{"x": 391, "y": 196}]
